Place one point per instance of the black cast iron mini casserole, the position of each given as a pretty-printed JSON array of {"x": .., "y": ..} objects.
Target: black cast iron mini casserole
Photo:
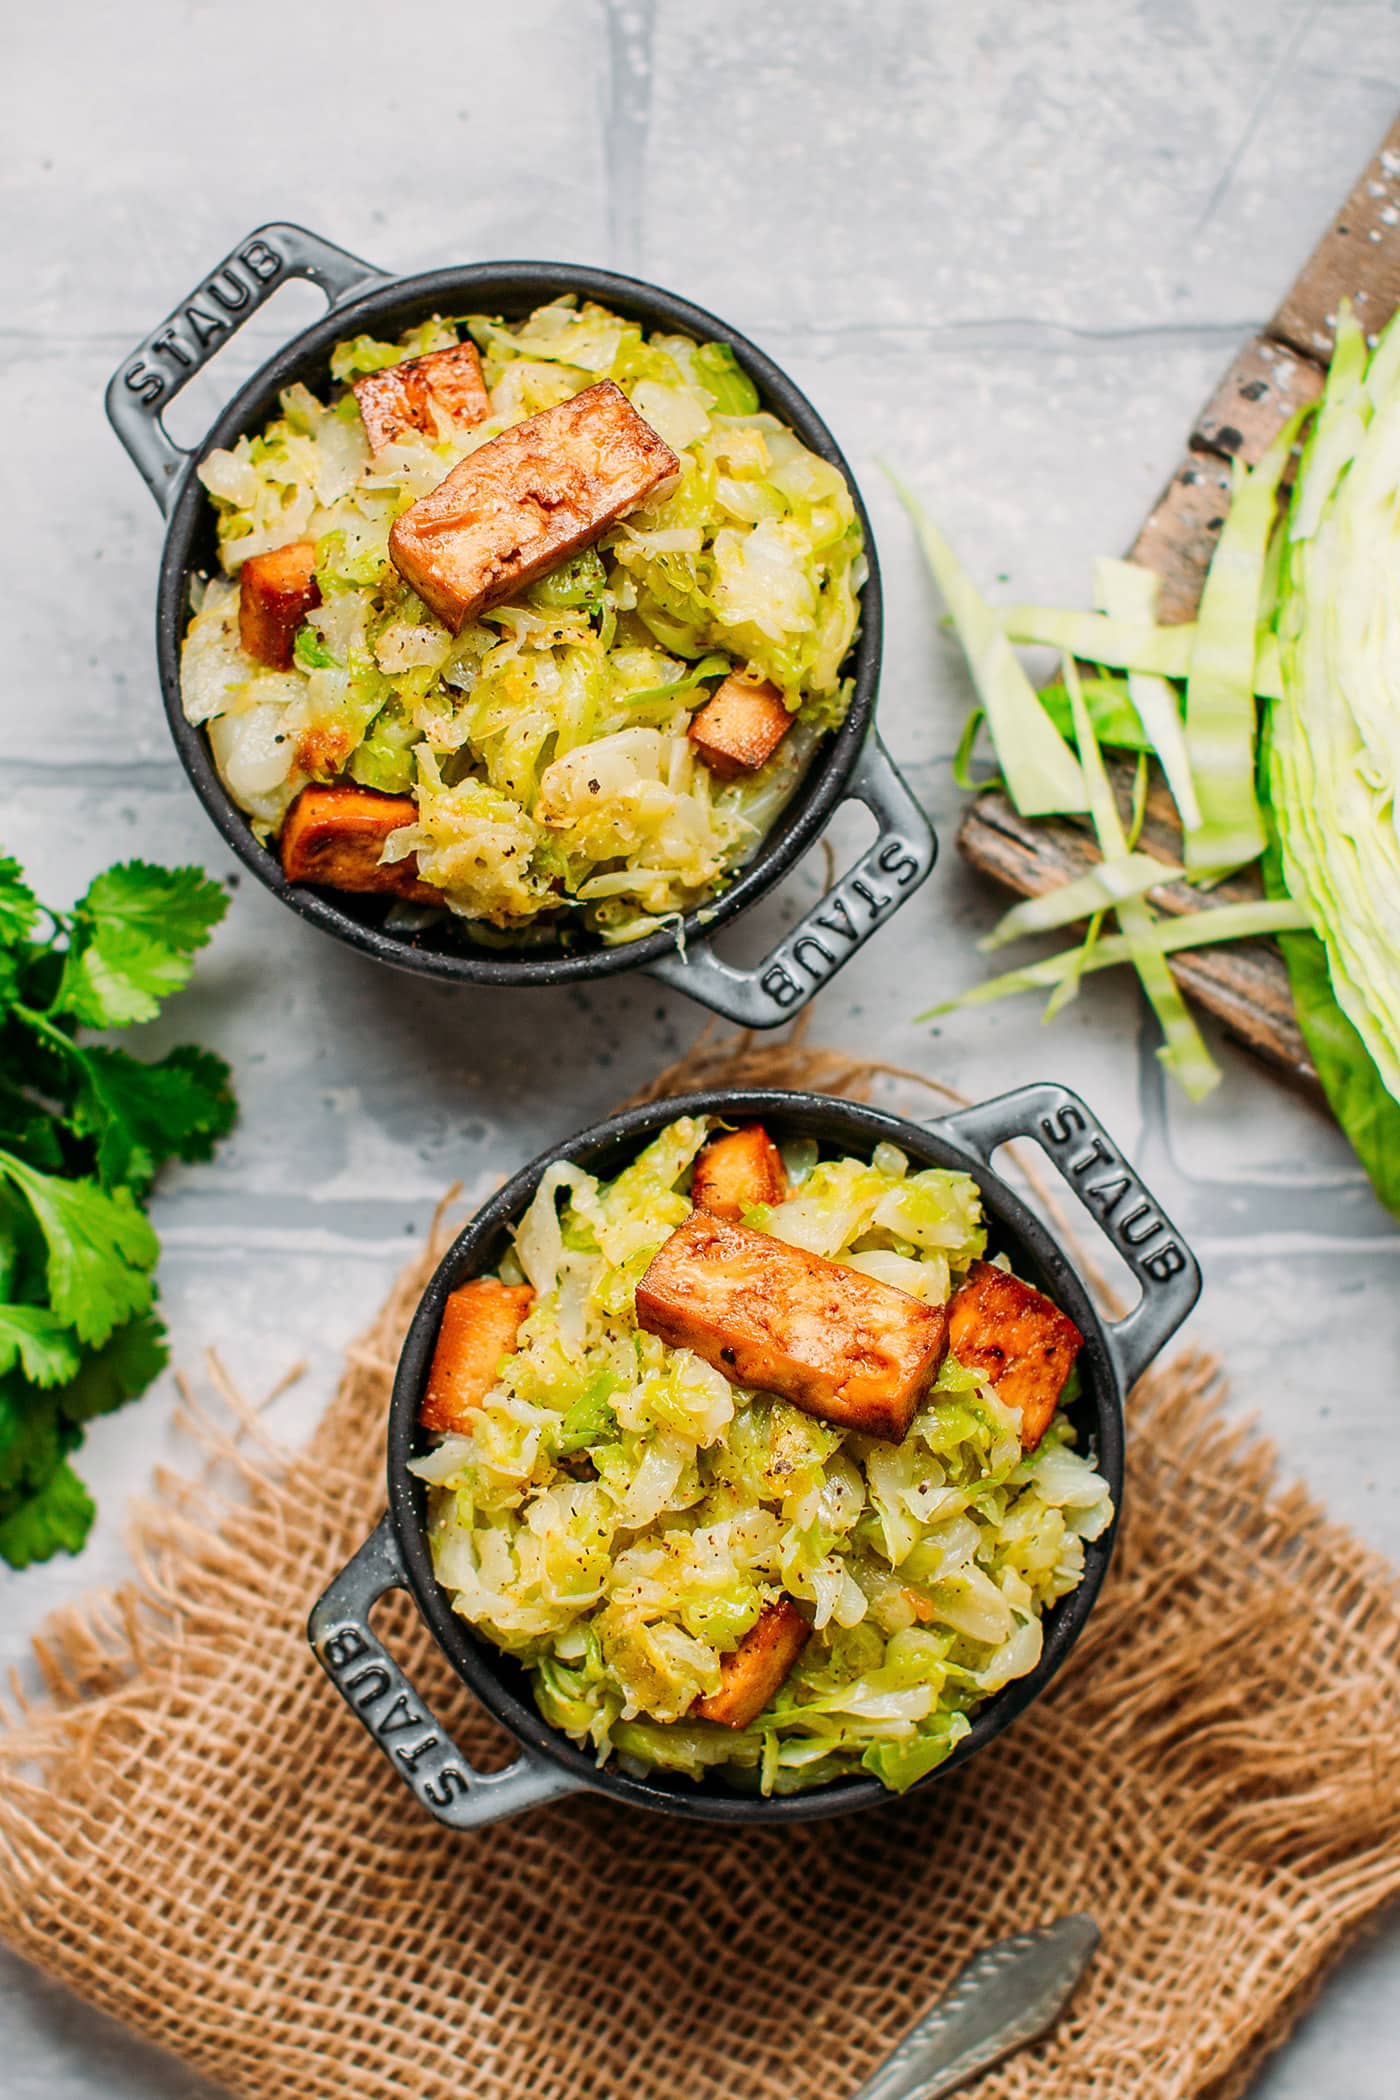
[
  {"x": 852, "y": 764},
  {"x": 397, "y": 1555}
]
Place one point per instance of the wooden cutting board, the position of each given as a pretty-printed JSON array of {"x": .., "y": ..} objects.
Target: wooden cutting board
[{"x": 1244, "y": 983}]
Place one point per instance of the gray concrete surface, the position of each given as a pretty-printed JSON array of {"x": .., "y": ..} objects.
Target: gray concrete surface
[{"x": 1007, "y": 247}]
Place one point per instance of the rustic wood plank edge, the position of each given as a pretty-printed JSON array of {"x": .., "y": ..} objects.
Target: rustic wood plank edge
[{"x": 1244, "y": 984}]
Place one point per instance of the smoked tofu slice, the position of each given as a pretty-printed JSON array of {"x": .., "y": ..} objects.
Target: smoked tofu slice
[
  {"x": 740, "y": 727},
  {"x": 528, "y": 499},
  {"x": 275, "y": 593},
  {"x": 737, "y": 1171},
  {"x": 335, "y": 835},
  {"x": 1018, "y": 1340},
  {"x": 401, "y": 397},
  {"x": 480, "y": 1323},
  {"x": 832, "y": 1341},
  {"x": 751, "y": 1675}
]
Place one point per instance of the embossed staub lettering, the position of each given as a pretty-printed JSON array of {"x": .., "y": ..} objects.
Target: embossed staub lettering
[
  {"x": 895, "y": 860},
  {"x": 1103, "y": 1195},
  {"x": 779, "y": 985},
  {"x": 368, "y": 1685},
  {"x": 1058, "y": 1129},
  {"x": 837, "y": 918},
  {"x": 399, "y": 1717},
  {"x": 1165, "y": 1261},
  {"x": 366, "y": 1679},
  {"x": 264, "y": 261},
  {"x": 169, "y": 345},
  {"x": 1141, "y": 1231},
  {"x": 449, "y": 1785},
  {"x": 204, "y": 327},
  {"x": 852, "y": 908},
  {"x": 146, "y": 384},
  {"x": 804, "y": 948},
  {"x": 344, "y": 1646},
  {"x": 228, "y": 290},
  {"x": 239, "y": 284}
]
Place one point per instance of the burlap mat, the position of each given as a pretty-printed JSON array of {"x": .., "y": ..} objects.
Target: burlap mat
[{"x": 196, "y": 1836}]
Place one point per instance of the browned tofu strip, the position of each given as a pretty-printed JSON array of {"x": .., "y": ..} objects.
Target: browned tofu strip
[
  {"x": 835, "y": 1342},
  {"x": 480, "y": 1323},
  {"x": 387, "y": 405},
  {"x": 528, "y": 499},
  {"x": 275, "y": 593},
  {"x": 396, "y": 400},
  {"x": 737, "y": 1171},
  {"x": 740, "y": 726},
  {"x": 335, "y": 835},
  {"x": 751, "y": 1675},
  {"x": 453, "y": 379},
  {"x": 1018, "y": 1340}
]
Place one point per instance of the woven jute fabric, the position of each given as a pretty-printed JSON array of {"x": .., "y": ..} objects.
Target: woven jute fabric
[{"x": 196, "y": 1835}]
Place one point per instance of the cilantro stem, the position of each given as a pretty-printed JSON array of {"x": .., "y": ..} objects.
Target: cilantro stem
[{"x": 46, "y": 1028}]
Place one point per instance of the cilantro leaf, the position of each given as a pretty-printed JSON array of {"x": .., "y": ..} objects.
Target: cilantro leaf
[
  {"x": 83, "y": 1131},
  {"x": 19, "y": 907},
  {"x": 177, "y": 908},
  {"x": 123, "y": 1367},
  {"x": 56, "y": 1519},
  {"x": 135, "y": 933},
  {"x": 116, "y": 977},
  {"x": 100, "y": 1248},
  {"x": 144, "y": 1114},
  {"x": 26, "y": 1128},
  {"x": 32, "y": 1441},
  {"x": 46, "y": 1351}
]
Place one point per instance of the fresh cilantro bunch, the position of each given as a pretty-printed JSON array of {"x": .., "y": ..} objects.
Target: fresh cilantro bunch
[{"x": 84, "y": 1128}]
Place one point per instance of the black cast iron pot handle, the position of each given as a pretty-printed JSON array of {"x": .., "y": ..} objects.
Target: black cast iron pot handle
[
  {"x": 382, "y": 1699},
  {"x": 856, "y": 904},
  {"x": 1094, "y": 1168},
  {"x": 149, "y": 379}
]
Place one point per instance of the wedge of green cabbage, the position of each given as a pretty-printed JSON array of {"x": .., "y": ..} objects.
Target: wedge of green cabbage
[
  {"x": 1335, "y": 734},
  {"x": 1356, "y": 1094}
]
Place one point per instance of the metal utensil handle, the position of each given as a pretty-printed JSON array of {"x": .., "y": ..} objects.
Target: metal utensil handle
[
  {"x": 861, "y": 900},
  {"x": 1007, "y": 1995},
  {"x": 1093, "y": 1167},
  {"x": 382, "y": 1699},
  {"x": 168, "y": 358}
]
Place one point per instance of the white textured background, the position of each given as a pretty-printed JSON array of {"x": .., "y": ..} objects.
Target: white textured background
[{"x": 1010, "y": 248}]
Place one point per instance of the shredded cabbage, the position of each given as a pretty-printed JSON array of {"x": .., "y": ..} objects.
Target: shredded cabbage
[
  {"x": 1182, "y": 1051},
  {"x": 1125, "y": 645},
  {"x": 1125, "y": 590},
  {"x": 1039, "y": 769},
  {"x": 1220, "y": 712},
  {"x": 1121, "y": 876},
  {"x": 620, "y": 1514},
  {"x": 754, "y": 563},
  {"x": 1202, "y": 929}
]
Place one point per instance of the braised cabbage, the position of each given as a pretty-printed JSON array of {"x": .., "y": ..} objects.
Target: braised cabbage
[
  {"x": 753, "y": 562},
  {"x": 620, "y": 1514}
]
